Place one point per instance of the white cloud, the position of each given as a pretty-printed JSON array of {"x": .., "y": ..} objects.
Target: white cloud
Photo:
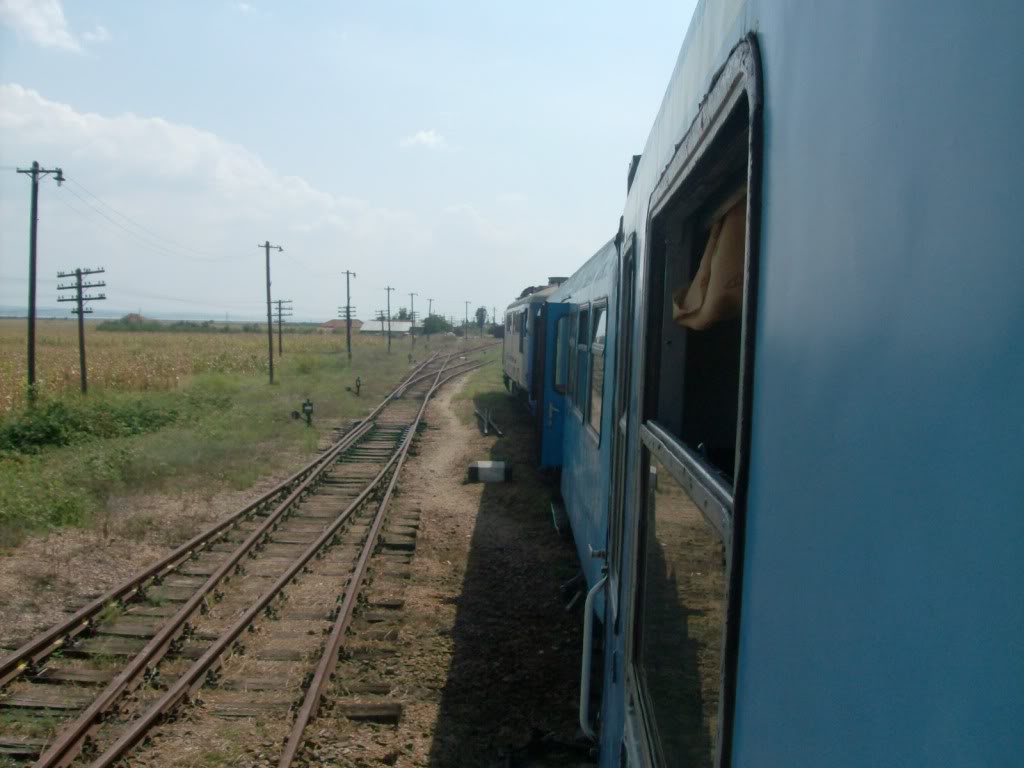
[
  {"x": 98, "y": 34},
  {"x": 429, "y": 139},
  {"x": 244, "y": 7},
  {"x": 205, "y": 192},
  {"x": 41, "y": 21}
]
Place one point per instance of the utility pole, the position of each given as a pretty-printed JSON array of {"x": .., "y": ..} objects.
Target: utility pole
[
  {"x": 389, "y": 289},
  {"x": 465, "y": 328},
  {"x": 348, "y": 312},
  {"x": 270, "y": 323},
  {"x": 282, "y": 312},
  {"x": 36, "y": 173},
  {"x": 81, "y": 310},
  {"x": 430, "y": 311},
  {"x": 412, "y": 316}
]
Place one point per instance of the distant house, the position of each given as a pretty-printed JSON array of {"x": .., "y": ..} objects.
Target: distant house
[
  {"x": 398, "y": 327},
  {"x": 133, "y": 317},
  {"x": 338, "y": 326}
]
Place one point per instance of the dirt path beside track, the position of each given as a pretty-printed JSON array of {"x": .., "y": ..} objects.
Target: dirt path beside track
[{"x": 488, "y": 660}]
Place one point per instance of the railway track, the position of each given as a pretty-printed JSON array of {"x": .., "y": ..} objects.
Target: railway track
[{"x": 251, "y": 614}]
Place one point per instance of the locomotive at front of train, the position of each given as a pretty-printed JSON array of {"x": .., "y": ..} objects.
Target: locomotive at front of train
[{"x": 813, "y": 523}]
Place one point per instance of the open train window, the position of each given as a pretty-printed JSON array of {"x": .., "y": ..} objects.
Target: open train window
[
  {"x": 598, "y": 334},
  {"x": 582, "y": 346},
  {"x": 695, "y": 415}
]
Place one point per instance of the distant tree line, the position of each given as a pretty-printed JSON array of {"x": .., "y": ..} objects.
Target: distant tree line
[{"x": 137, "y": 323}]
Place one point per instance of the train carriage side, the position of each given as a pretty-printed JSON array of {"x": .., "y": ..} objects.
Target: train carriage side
[
  {"x": 589, "y": 301},
  {"x": 520, "y": 350},
  {"x": 815, "y": 528}
]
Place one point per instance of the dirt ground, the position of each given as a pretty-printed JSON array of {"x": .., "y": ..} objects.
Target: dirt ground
[
  {"x": 46, "y": 577},
  {"x": 488, "y": 662},
  {"x": 486, "y": 665}
]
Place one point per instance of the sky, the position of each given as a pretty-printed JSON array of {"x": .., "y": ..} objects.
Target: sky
[{"x": 457, "y": 150}]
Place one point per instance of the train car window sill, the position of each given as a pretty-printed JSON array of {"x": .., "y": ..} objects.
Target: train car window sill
[{"x": 712, "y": 496}]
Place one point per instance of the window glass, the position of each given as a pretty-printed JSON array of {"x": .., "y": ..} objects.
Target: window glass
[
  {"x": 582, "y": 336},
  {"x": 597, "y": 337},
  {"x": 683, "y": 609},
  {"x": 561, "y": 352},
  {"x": 522, "y": 330}
]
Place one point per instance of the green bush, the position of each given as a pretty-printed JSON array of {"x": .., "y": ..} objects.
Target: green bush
[{"x": 66, "y": 421}]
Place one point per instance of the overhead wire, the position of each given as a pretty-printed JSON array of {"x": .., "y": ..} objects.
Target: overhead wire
[
  {"x": 156, "y": 236},
  {"x": 153, "y": 245}
]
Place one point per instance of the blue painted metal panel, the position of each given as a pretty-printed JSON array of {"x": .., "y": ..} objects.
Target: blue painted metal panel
[
  {"x": 882, "y": 605},
  {"x": 555, "y": 406},
  {"x": 585, "y": 479},
  {"x": 881, "y": 621}
]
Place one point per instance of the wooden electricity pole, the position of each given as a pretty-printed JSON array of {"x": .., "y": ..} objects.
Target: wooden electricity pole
[
  {"x": 36, "y": 173},
  {"x": 348, "y": 312},
  {"x": 80, "y": 309},
  {"x": 270, "y": 322},
  {"x": 412, "y": 316},
  {"x": 282, "y": 312},
  {"x": 389, "y": 289}
]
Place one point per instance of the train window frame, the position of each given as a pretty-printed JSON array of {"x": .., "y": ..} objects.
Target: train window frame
[
  {"x": 600, "y": 305},
  {"x": 570, "y": 379},
  {"x": 522, "y": 330},
  {"x": 561, "y": 357},
  {"x": 625, "y": 329},
  {"x": 581, "y": 352},
  {"x": 737, "y": 84}
]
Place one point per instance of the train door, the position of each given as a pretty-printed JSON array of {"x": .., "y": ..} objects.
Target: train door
[{"x": 552, "y": 406}]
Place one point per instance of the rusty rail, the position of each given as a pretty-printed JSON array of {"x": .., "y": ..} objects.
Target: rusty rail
[
  {"x": 57, "y": 636},
  {"x": 193, "y": 678},
  {"x": 329, "y": 656},
  {"x": 69, "y": 742}
]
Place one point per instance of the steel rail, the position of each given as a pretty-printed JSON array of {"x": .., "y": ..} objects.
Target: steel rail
[
  {"x": 41, "y": 646},
  {"x": 405, "y": 387},
  {"x": 193, "y": 678},
  {"x": 69, "y": 741},
  {"x": 329, "y": 656}
]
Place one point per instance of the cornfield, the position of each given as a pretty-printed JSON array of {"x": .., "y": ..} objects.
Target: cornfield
[{"x": 134, "y": 361}]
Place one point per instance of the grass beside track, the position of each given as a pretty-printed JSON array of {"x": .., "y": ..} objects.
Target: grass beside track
[
  {"x": 61, "y": 461},
  {"x": 483, "y": 388}
]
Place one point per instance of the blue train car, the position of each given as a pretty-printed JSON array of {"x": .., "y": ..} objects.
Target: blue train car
[
  {"x": 519, "y": 351},
  {"x": 579, "y": 320},
  {"x": 808, "y": 441}
]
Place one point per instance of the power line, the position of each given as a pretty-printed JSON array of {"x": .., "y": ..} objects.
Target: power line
[
  {"x": 148, "y": 242},
  {"x": 144, "y": 228}
]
